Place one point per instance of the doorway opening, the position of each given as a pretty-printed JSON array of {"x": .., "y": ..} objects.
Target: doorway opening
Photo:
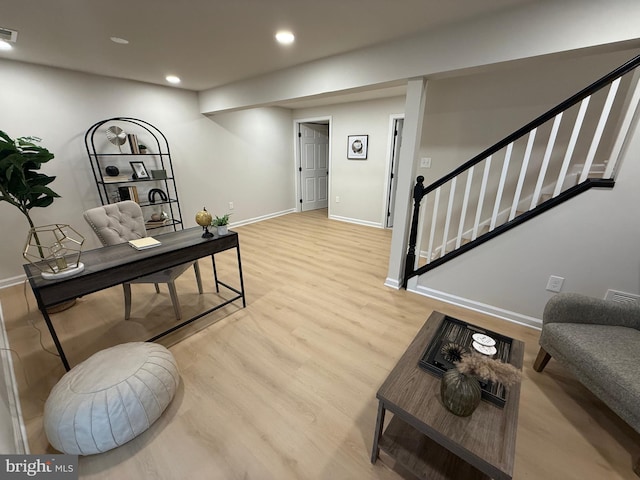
[{"x": 312, "y": 163}]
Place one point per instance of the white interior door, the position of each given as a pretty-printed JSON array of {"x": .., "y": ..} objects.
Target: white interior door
[
  {"x": 395, "y": 156},
  {"x": 314, "y": 165}
]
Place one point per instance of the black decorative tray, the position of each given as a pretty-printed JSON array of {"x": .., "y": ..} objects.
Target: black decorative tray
[{"x": 458, "y": 332}]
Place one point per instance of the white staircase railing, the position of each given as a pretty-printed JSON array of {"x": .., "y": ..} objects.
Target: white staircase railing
[{"x": 573, "y": 147}]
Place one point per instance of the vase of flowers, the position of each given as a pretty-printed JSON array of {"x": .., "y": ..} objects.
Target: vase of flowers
[{"x": 460, "y": 388}]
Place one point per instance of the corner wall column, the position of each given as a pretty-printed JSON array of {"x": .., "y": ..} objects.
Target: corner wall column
[{"x": 409, "y": 150}]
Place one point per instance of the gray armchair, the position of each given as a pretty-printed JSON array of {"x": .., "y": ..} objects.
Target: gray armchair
[
  {"x": 123, "y": 221},
  {"x": 599, "y": 342}
]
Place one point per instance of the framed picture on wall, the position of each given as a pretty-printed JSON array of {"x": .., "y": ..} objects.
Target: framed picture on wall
[{"x": 357, "y": 147}]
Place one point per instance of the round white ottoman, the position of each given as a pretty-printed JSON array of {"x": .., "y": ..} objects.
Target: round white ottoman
[{"x": 110, "y": 398}]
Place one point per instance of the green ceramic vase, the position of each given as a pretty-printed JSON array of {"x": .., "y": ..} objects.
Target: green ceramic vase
[{"x": 460, "y": 393}]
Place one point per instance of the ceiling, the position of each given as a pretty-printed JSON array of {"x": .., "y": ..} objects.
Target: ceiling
[{"x": 208, "y": 43}]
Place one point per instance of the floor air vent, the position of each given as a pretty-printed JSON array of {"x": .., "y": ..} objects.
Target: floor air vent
[{"x": 622, "y": 297}]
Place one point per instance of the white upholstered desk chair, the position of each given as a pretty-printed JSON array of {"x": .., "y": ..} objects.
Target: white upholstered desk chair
[{"x": 123, "y": 221}]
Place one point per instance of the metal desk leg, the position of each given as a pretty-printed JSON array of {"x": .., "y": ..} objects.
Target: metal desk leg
[
  {"x": 215, "y": 272},
  {"x": 54, "y": 335},
  {"x": 244, "y": 302},
  {"x": 378, "y": 432}
]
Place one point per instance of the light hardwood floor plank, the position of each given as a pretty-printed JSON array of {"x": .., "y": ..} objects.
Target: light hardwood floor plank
[{"x": 285, "y": 389}]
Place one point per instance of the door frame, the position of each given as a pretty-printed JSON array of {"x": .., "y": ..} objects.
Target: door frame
[
  {"x": 297, "y": 159},
  {"x": 389, "y": 166}
]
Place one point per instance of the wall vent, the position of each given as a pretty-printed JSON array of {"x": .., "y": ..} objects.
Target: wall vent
[
  {"x": 622, "y": 297},
  {"x": 8, "y": 35}
]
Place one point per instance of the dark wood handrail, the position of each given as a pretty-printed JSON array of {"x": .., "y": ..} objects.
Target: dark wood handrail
[{"x": 545, "y": 117}]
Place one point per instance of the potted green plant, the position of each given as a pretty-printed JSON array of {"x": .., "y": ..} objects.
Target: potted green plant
[
  {"x": 21, "y": 184},
  {"x": 221, "y": 223}
]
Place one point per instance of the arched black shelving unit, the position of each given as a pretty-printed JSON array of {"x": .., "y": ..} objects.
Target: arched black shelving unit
[{"x": 158, "y": 194}]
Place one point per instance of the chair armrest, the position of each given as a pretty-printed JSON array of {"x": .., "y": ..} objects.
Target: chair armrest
[{"x": 577, "y": 308}]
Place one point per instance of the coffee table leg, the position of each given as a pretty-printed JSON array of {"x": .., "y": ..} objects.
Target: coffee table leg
[{"x": 378, "y": 433}]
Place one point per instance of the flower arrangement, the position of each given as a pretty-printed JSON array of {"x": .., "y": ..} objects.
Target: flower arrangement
[{"x": 488, "y": 369}]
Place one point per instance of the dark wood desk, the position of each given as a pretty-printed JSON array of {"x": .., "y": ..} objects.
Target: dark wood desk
[
  {"x": 429, "y": 441},
  {"x": 109, "y": 266}
]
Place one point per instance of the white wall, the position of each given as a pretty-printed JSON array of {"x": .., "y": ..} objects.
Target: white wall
[
  {"x": 216, "y": 161},
  {"x": 249, "y": 161},
  {"x": 590, "y": 240},
  {"x": 360, "y": 184}
]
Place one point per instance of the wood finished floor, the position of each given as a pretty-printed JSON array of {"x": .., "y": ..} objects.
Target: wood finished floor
[{"x": 285, "y": 389}]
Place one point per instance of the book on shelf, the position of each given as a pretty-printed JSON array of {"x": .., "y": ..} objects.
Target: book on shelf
[
  {"x": 133, "y": 143},
  {"x": 144, "y": 243},
  {"x": 156, "y": 223},
  {"x": 128, "y": 193},
  {"x": 117, "y": 179}
]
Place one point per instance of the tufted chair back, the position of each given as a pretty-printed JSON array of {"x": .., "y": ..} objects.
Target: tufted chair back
[{"x": 117, "y": 222}]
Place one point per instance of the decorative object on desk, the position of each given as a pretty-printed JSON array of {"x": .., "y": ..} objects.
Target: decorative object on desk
[
  {"x": 204, "y": 219},
  {"x": 112, "y": 170},
  {"x": 54, "y": 250},
  {"x": 157, "y": 192},
  {"x": 460, "y": 386},
  {"x": 116, "y": 136},
  {"x": 357, "y": 147},
  {"x": 139, "y": 171},
  {"x": 158, "y": 174},
  {"x": 222, "y": 224},
  {"x": 142, "y": 148}
]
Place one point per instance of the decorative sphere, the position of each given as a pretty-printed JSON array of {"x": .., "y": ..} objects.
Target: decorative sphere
[
  {"x": 112, "y": 171},
  {"x": 203, "y": 218}
]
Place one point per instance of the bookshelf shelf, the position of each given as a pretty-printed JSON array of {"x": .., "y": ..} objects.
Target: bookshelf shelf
[{"x": 157, "y": 192}]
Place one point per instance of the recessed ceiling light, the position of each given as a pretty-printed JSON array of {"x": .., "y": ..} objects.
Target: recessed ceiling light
[
  {"x": 119, "y": 40},
  {"x": 285, "y": 37},
  {"x": 172, "y": 79},
  {"x": 5, "y": 45}
]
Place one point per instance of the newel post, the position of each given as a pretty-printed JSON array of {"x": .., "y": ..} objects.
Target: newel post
[{"x": 418, "y": 193}]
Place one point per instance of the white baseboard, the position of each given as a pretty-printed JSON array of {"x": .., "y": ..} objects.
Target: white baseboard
[
  {"x": 393, "y": 283},
  {"x": 356, "y": 221},
  {"x": 13, "y": 434},
  {"x": 260, "y": 219},
  {"x": 478, "y": 307},
  {"x": 10, "y": 282}
]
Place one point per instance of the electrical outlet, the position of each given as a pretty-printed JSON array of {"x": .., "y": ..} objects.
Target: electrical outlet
[
  {"x": 425, "y": 162},
  {"x": 337, "y": 199},
  {"x": 230, "y": 205},
  {"x": 555, "y": 283}
]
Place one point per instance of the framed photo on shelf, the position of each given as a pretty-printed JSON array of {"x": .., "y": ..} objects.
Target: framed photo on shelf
[
  {"x": 357, "y": 147},
  {"x": 139, "y": 171}
]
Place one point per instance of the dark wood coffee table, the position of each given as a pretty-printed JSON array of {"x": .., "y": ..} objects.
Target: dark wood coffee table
[{"x": 426, "y": 439}]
